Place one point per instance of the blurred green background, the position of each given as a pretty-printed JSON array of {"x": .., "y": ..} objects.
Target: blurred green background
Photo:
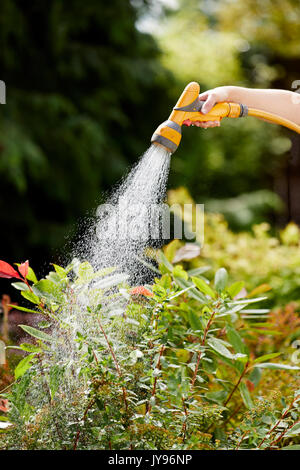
[{"x": 87, "y": 84}]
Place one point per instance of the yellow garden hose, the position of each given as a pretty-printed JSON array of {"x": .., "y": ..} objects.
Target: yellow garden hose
[{"x": 273, "y": 118}]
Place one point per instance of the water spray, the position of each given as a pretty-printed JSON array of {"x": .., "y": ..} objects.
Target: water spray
[{"x": 188, "y": 111}]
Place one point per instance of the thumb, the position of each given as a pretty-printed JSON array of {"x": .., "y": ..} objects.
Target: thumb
[{"x": 209, "y": 103}]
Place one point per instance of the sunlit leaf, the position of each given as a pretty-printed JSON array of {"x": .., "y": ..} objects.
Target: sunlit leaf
[
  {"x": 37, "y": 333},
  {"x": 24, "y": 365}
]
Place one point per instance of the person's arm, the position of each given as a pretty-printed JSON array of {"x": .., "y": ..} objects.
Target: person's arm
[{"x": 281, "y": 102}]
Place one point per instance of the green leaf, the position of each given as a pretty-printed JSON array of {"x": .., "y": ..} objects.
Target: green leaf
[
  {"x": 294, "y": 431},
  {"x": 60, "y": 271},
  {"x": 265, "y": 332},
  {"x": 266, "y": 357},
  {"x": 247, "y": 301},
  {"x": 194, "y": 321},
  {"x": 182, "y": 291},
  {"x": 28, "y": 295},
  {"x": 235, "y": 288},
  {"x": 134, "y": 356},
  {"x": 235, "y": 340},
  {"x": 246, "y": 395},
  {"x": 23, "y": 309},
  {"x": 24, "y": 365},
  {"x": 31, "y": 275},
  {"x": 32, "y": 348},
  {"x": 203, "y": 287},
  {"x": 85, "y": 271},
  {"x": 36, "y": 333},
  {"x": 28, "y": 347},
  {"x": 218, "y": 346},
  {"x": 20, "y": 286},
  {"x": 178, "y": 271},
  {"x": 197, "y": 271},
  {"x": 165, "y": 261},
  {"x": 53, "y": 277},
  {"x": 221, "y": 278},
  {"x": 217, "y": 397},
  {"x": 44, "y": 324},
  {"x": 106, "y": 271},
  {"x": 56, "y": 374},
  {"x": 3, "y": 418},
  {"x": 49, "y": 290},
  {"x": 270, "y": 365},
  {"x": 235, "y": 364},
  {"x": 193, "y": 292}
]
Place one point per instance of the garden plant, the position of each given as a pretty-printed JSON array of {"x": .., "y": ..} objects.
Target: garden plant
[{"x": 171, "y": 365}]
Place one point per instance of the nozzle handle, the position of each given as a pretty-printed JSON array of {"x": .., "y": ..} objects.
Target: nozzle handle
[{"x": 220, "y": 110}]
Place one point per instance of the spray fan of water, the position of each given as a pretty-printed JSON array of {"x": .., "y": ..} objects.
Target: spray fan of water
[
  {"x": 120, "y": 235},
  {"x": 130, "y": 220},
  {"x": 116, "y": 239}
]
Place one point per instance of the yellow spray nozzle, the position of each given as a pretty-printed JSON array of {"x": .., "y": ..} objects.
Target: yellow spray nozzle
[
  {"x": 188, "y": 109},
  {"x": 168, "y": 133}
]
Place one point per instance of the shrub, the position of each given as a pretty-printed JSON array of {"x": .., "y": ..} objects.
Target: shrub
[{"x": 165, "y": 366}]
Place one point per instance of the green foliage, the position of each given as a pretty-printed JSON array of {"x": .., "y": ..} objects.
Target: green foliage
[
  {"x": 73, "y": 123},
  {"x": 81, "y": 113},
  {"x": 165, "y": 371},
  {"x": 265, "y": 262}
]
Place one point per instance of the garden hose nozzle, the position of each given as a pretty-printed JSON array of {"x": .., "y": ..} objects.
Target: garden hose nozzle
[{"x": 187, "y": 111}]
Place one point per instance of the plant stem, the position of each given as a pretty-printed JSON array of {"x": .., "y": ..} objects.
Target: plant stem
[
  {"x": 186, "y": 416},
  {"x": 242, "y": 438},
  {"x": 275, "y": 441},
  {"x": 238, "y": 383},
  {"x": 116, "y": 364},
  {"x": 202, "y": 344},
  {"x": 8, "y": 386},
  {"x": 279, "y": 420},
  {"x": 197, "y": 365},
  {"x": 158, "y": 366},
  {"x": 232, "y": 414},
  {"x": 84, "y": 418}
]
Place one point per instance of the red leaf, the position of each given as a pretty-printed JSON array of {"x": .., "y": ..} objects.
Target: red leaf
[
  {"x": 23, "y": 268},
  {"x": 141, "y": 290},
  {"x": 7, "y": 271},
  {"x": 4, "y": 405}
]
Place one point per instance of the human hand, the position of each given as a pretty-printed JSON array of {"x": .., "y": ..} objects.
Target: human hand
[
  {"x": 211, "y": 97},
  {"x": 203, "y": 124}
]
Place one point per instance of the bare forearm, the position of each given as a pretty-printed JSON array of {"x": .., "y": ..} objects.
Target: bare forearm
[{"x": 281, "y": 102}]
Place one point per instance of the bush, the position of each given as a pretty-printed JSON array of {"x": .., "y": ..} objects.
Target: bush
[{"x": 168, "y": 366}]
